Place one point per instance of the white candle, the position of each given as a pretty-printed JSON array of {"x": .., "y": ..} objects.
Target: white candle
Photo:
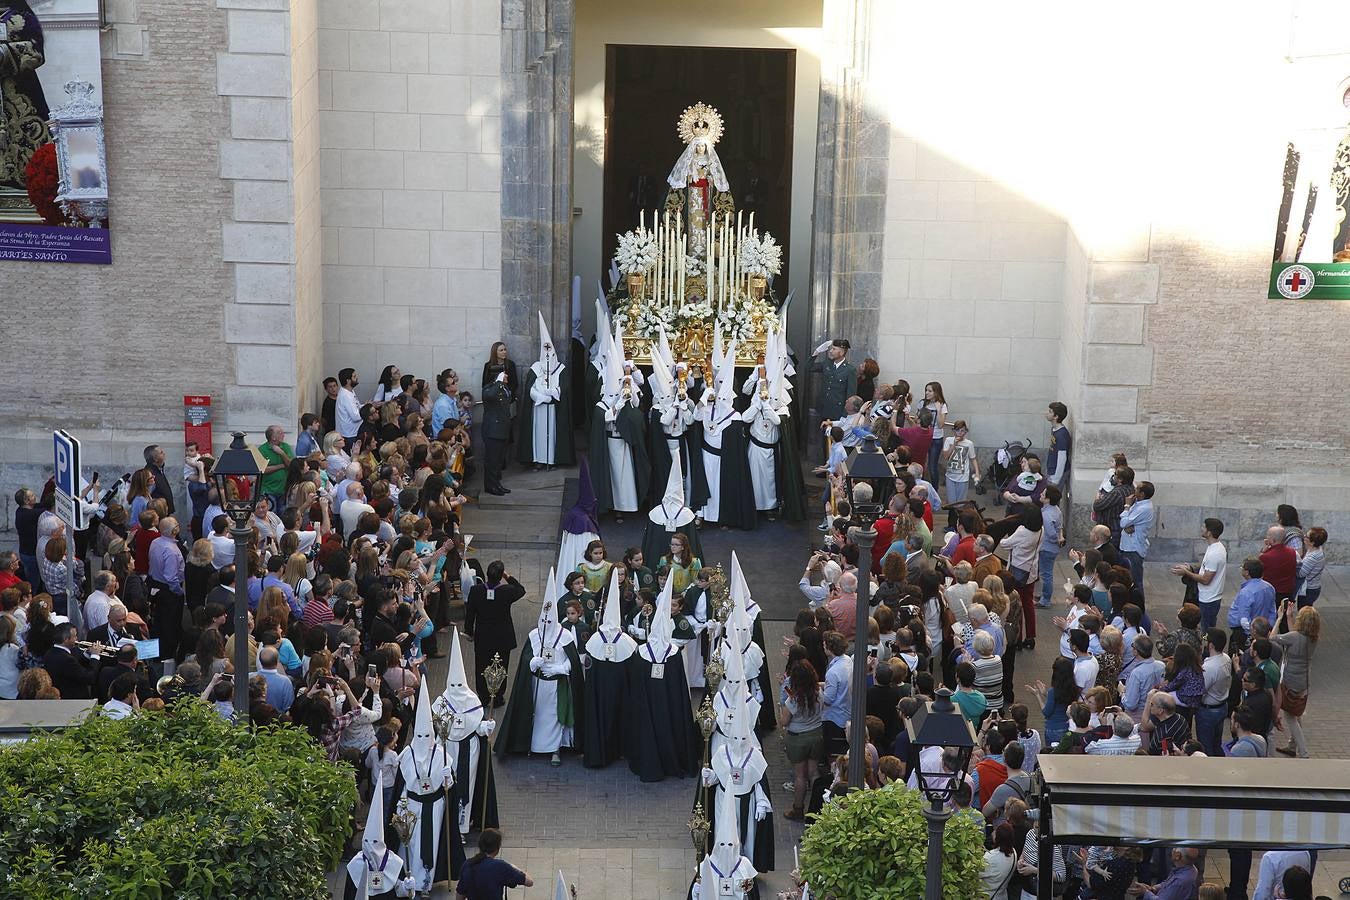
[{"x": 683, "y": 246}]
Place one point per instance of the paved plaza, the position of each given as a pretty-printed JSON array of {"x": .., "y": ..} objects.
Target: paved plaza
[{"x": 615, "y": 837}]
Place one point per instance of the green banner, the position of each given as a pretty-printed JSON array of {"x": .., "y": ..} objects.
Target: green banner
[{"x": 1309, "y": 281}]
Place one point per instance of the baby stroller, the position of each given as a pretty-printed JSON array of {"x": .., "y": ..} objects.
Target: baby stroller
[{"x": 1007, "y": 463}]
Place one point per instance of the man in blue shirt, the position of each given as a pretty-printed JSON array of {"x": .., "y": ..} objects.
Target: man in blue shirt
[
  {"x": 1136, "y": 521},
  {"x": 280, "y": 691},
  {"x": 1255, "y": 598},
  {"x": 485, "y": 877},
  {"x": 308, "y": 439},
  {"x": 1146, "y": 674},
  {"x": 835, "y": 698},
  {"x": 446, "y": 407}
]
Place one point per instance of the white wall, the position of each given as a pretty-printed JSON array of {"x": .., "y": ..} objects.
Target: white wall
[
  {"x": 409, "y": 99},
  {"x": 759, "y": 24}
]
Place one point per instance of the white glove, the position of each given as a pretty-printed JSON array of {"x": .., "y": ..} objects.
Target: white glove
[
  {"x": 762, "y": 810},
  {"x": 709, "y": 777},
  {"x": 822, "y": 348},
  {"x": 450, "y": 779},
  {"x": 536, "y": 664},
  {"x": 486, "y": 727},
  {"x": 694, "y": 892},
  {"x": 405, "y": 887},
  {"x": 639, "y": 633},
  {"x": 1246, "y": 624}
]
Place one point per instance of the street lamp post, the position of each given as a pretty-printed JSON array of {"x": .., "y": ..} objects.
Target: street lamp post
[
  {"x": 238, "y": 479},
  {"x": 866, "y": 466},
  {"x": 939, "y": 724}
]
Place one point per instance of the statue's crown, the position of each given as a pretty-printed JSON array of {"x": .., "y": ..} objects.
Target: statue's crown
[{"x": 700, "y": 121}]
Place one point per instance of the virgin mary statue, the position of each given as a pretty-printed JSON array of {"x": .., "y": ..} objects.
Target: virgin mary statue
[
  {"x": 23, "y": 113},
  {"x": 698, "y": 184}
]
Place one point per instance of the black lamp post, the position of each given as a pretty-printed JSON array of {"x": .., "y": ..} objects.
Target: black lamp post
[
  {"x": 939, "y": 724},
  {"x": 238, "y": 478},
  {"x": 866, "y": 465}
]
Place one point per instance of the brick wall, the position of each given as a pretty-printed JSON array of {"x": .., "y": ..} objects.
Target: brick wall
[
  {"x": 411, "y": 184},
  {"x": 109, "y": 351}
]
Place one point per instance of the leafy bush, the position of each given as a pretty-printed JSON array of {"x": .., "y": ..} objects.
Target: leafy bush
[
  {"x": 182, "y": 804},
  {"x": 873, "y": 845}
]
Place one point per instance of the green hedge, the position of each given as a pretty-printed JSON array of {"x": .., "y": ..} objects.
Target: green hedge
[
  {"x": 181, "y": 804},
  {"x": 873, "y": 845}
]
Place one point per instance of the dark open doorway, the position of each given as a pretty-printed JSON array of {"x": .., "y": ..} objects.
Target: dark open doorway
[{"x": 646, "y": 89}]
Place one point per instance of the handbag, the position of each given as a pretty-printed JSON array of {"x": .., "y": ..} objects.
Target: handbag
[
  {"x": 948, "y": 620},
  {"x": 1293, "y": 702}
]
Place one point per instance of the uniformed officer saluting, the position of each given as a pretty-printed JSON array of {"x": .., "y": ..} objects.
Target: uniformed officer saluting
[{"x": 839, "y": 379}]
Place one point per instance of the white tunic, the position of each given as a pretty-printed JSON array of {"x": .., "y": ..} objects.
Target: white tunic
[
  {"x": 712, "y": 462},
  {"x": 764, "y": 423},
  {"x": 424, "y": 773},
  {"x": 549, "y": 734},
  {"x": 544, "y": 423},
  {"x": 622, "y": 475}
]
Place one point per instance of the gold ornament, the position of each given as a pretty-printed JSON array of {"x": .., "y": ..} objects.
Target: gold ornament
[{"x": 700, "y": 121}]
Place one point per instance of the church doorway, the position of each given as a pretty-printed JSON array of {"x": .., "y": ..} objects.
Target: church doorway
[{"x": 646, "y": 89}]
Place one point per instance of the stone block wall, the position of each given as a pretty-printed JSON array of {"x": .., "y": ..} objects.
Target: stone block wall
[{"x": 410, "y": 161}]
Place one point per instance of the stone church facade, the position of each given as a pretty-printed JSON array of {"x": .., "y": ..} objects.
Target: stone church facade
[{"x": 1075, "y": 205}]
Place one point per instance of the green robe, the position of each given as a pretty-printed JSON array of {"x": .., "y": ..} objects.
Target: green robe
[
  {"x": 564, "y": 448},
  {"x": 589, "y": 604},
  {"x": 518, "y": 722},
  {"x": 630, "y": 426}
]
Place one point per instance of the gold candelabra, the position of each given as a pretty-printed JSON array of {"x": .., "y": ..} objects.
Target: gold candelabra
[
  {"x": 706, "y": 719},
  {"x": 494, "y": 676},
  {"x": 404, "y": 820},
  {"x": 699, "y": 827}
]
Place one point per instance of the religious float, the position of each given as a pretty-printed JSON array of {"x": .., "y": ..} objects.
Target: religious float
[{"x": 699, "y": 267}]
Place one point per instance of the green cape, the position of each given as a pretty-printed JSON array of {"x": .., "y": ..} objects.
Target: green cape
[{"x": 518, "y": 722}]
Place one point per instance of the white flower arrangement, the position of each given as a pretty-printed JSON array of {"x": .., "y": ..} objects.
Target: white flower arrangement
[
  {"x": 694, "y": 313},
  {"x": 637, "y": 252},
  {"x": 761, "y": 256},
  {"x": 693, "y": 265},
  {"x": 650, "y": 319}
]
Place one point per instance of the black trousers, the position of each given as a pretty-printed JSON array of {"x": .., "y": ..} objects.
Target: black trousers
[{"x": 495, "y": 458}]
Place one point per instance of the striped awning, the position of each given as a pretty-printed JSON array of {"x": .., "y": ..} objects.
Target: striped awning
[{"x": 1195, "y": 800}]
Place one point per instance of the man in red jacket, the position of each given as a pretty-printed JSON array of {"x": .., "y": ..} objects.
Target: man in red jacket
[
  {"x": 1280, "y": 562},
  {"x": 9, "y": 569}
]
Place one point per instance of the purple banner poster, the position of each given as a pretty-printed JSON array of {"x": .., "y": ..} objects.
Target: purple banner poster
[{"x": 46, "y": 243}]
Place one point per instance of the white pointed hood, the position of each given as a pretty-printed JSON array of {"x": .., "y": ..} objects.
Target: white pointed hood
[
  {"x": 672, "y": 512},
  {"x": 602, "y": 331},
  {"x": 740, "y": 591},
  {"x": 376, "y": 868},
  {"x": 659, "y": 635},
  {"x": 611, "y": 643},
  {"x": 662, "y": 348},
  {"x": 662, "y": 382},
  {"x": 547, "y": 367},
  {"x": 560, "y": 891},
  {"x": 458, "y": 699},
  {"x": 733, "y": 684},
  {"x": 611, "y": 374},
  {"x": 547, "y": 626},
  {"x": 726, "y": 849},
  {"x": 424, "y": 733}
]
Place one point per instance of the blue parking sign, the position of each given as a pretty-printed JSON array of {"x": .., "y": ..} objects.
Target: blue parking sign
[{"x": 66, "y": 461}]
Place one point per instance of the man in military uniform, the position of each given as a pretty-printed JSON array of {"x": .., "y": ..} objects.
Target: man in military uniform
[
  {"x": 838, "y": 378},
  {"x": 496, "y": 432}
]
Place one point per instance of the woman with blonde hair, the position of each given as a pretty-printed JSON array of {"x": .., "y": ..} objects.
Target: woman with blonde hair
[
  {"x": 1295, "y": 667},
  {"x": 1112, "y": 659},
  {"x": 336, "y": 458},
  {"x": 199, "y": 573},
  {"x": 296, "y": 574}
]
